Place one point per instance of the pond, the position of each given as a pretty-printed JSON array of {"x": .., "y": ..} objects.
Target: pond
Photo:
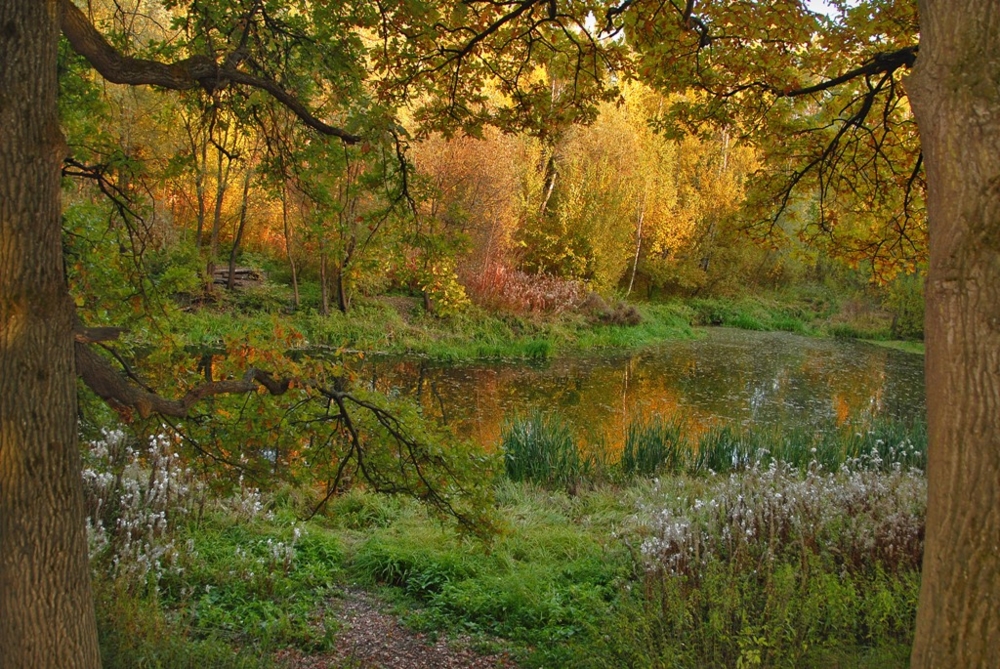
[{"x": 723, "y": 376}]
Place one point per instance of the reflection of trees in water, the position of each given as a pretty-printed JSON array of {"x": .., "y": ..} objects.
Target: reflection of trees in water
[{"x": 761, "y": 379}]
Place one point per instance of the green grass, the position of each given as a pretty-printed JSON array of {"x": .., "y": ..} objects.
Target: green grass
[
  {"x": 244, "y": 590},
  {"x": 140, "y": 633},
  {"x": 567, "y": 585},
  {"x": 808, "y": 310},
  {"x": 374, "y": 326},
  {"x": 544, "y": 450},
  {"x": 756, "y": 313},
  {"x": 901, "y": 345},
  {"x": 546, "y": 581},
  {"x": 566, "y": 582},
  {"x": 653, "y": 447}
]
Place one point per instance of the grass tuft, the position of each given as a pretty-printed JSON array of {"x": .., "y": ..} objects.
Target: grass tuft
[{"x": 543, "y": 450}]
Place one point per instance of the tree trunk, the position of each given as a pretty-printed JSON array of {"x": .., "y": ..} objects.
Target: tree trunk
[
  {"x": 324, "y": 286},
  {"x": 288, "y": 242},
  {"x": 343, "y": 299},
  {"x": 550, "y": 175},
  {"x": 238, "y": 237},
  {"x": 198, "y": 148},
  {"x": 957, "y": 105},
  {"x": 638, "y": 243},
  {"x": 221, "y": 184},
  {"x": 46, "y": 609}
]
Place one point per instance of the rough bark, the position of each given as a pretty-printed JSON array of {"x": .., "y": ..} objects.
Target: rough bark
[
  {"x": 111, "y": 386},
  {"x": 957, "y": 104},
  {"x": 46, "y": 608}
]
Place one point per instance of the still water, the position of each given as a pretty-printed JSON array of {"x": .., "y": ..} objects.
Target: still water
[{"x": 732, "y": 376}]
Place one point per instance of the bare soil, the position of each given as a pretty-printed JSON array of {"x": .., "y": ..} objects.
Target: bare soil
[{"x": 372, "y": 638}]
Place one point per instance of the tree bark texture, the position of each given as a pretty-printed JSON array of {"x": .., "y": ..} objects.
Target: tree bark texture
[
  {"x": 956, "y": 99},
  {"x": 46, "y": 608}
]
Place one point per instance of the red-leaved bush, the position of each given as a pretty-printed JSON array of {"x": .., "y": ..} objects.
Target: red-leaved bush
[{"x": 499, "y": 287}]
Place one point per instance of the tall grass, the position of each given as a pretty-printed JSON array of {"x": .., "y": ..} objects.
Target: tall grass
[
  {"x": 653, "y": 447},
  {"x": 775, "y": 566},
  {"x": 545, "y": 450},
  {"x": 181, "y": 578},
  {"x": 772, "y": 566}
]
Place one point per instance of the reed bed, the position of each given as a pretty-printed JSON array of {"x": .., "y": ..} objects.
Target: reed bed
[{"x": 544, "y": 450}]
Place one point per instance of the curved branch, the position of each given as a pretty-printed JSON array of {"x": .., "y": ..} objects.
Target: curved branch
[
  {"x": 182, "y": 75},
  {"x": 110, "y": 386},
  {"x": 879, "y": 63},
  {"x": 411, "y": 452}
]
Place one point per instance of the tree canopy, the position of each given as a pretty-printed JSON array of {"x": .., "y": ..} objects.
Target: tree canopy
[{"x": 806, "y": 116}]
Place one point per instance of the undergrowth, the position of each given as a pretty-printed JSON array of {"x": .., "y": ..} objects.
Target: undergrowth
[
  {"x": 773, "y": 562},
  {"x": 772, "y": 567}
]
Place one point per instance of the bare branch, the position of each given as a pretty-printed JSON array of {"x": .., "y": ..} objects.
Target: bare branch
[{"x": 95, "y": 335}]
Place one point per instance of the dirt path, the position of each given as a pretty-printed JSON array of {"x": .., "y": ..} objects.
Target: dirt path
[{"x": 369, "y": 638}]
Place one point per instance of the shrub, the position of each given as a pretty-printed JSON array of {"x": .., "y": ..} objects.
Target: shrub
[
  {"x": 499, "y": 287},
  {"x": 905, "y": 301},
  {"x": 766, "y": 566},
  {"x": 132, "y": 494}
]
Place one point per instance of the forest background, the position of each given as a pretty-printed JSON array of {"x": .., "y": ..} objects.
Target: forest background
[{"x": 512, "y": 203}]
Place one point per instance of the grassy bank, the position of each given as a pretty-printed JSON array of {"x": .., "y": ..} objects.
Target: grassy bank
[
  {"x": 401, "y": 326},
  {"x": 385, "y": 326},
  {"x": 779, "y": 564},
  {"x": 809, "y": 311}
]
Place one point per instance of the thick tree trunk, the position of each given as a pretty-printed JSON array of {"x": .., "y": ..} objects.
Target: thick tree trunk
[
  {"x": 957, "y": 104},
  {"x": 46, "y": 608}
]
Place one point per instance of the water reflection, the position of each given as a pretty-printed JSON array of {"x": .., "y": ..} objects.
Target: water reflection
[{"x": 726, "y": 376}]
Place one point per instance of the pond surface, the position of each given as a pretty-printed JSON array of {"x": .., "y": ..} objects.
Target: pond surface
[{"x": 731, "y": 376}]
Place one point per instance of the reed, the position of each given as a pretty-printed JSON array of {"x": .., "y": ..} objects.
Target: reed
[
  {"x": 653, "y": 447},
  {"x": 543, "y": 450}
]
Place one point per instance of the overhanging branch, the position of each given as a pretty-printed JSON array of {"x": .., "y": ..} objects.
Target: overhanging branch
[
  {"x": 878, "y": 64},
  {"x": 111, "y": 387},
  {"x": 182, "y": 75},
  {"x": 414, "y": 470}
]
